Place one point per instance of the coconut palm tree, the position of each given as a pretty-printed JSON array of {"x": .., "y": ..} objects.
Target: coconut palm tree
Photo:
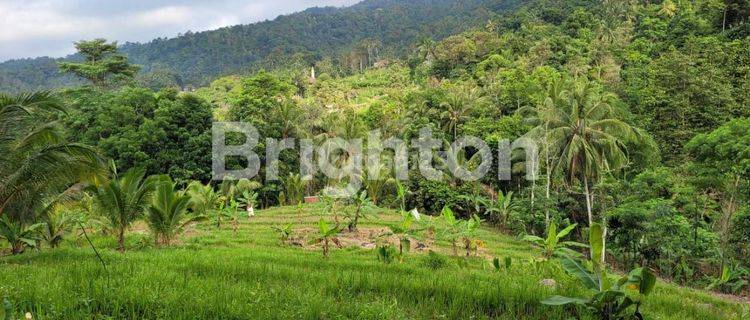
[
  {"x": 586, "y": 137},
  {"x": 294, "y": 188},
  {"x": 540, "y": 116},
  {"x": 123, "y": 200},
  {"x": 167, "y": 214},
  {"x": 203, "y": 198},
  {"x": 457, "y": 107},
  {"x": 36, "y": 163}
]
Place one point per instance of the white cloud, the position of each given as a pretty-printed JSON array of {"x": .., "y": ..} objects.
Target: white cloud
[{"x": 31, "y": 28}]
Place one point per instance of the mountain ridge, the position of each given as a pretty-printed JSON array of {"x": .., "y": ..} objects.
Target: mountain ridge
[{"x": 195, "y": 58}]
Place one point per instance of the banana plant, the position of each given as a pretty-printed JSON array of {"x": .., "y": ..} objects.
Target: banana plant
[
  {"x": 360, "y": 201},
  {"x": 404, "y": 231},
  {"x": 248, "y": 200},
  {"x": 732, "y": 279},
  {"x": 469, "y": 233},
  {"x": 331, "y": 205},
  {"x": 401, "y": 192},
  {"x": 227, "y": 210},
  {"x": 326, "y": 235},
  {"x": 611, "y": 300},
  {"x": 284, "y": 231},
  {"x": 553, "y": 246},
  {"x": 18, "y": 235},
  {"x": 502, "y": 208},
  {"x": 452, "y": 229}
]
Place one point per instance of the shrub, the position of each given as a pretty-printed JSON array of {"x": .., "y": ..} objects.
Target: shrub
[{"x": 434, "y": 261}]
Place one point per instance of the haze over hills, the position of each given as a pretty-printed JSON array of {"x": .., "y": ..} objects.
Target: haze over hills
[{"x": 193, "y": 59}]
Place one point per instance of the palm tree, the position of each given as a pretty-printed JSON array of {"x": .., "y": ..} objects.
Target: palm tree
[
  {"x": 294, "y": 188},
  {"x": 203, "y": 198},
  {"x": 375, "y": 185},
  {"x": 541, "y": 116},
  {"x": 586, "y": 137},
  {"x": 123, "y": 200},
  {"x": 36, "y": 162},
  {"x": 167, "y": 214},
  {"x": 458, "y": 104}
]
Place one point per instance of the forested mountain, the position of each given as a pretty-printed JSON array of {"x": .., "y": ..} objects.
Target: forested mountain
[{"x": 372, "y": 28}]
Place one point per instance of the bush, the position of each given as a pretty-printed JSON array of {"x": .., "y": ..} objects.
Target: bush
[{"x": 434, "y": 261}]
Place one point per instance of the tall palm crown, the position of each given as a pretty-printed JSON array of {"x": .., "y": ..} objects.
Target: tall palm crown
[
  {"x": 36, "y": 162},
  {"x": 579, "y": 128},
  {"x": 584, "y": 133}
]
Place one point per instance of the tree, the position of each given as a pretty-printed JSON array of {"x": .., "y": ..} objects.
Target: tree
[
  {"x": 203, "y": 198},
  {"x": 586, "y": 137},
  {"x": 102, "y": 65},
  {"x": 38, "y": 163},
  {"x": 123, "y": 200},
  {"x": 165, "y": 132},
  {"x": 167, "y": 214},
  {"x": 725, "y": 156},
  {"x": 459, "y": 103}
]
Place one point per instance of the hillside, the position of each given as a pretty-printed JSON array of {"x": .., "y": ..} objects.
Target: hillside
[{"x": 386, "y": 27}]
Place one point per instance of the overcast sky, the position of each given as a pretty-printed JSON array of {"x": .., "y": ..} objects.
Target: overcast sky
[{"x": 33, "y": 28}]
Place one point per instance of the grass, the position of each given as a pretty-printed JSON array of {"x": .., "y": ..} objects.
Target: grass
[{"x": 213, "y": 274}]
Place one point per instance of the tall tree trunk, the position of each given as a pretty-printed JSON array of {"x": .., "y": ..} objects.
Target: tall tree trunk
[
  {"x": 548, "y": 168},
  {"x": 588, "y": 199},
  {"x": 121, "y": 240},
  {"x": 728, "y": 212}
]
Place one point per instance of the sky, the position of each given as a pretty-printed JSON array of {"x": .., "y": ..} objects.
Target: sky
[{"x": 34, "y": 28}]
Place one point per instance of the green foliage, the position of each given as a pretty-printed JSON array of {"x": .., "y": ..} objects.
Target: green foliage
[
  {"x": 38, "y": 163},
  {"x": 102, "y": 64},
  {"x": 7, "y": 309},
  {"x": 386, "y": 254},
  {"x": 285, "y": 231},
  {"x": 361, "y": 202},
  {"x": 203, "y": 198},
  {"x": 326, "y": 234},
  {"x": 503, "y": 208},
  {"x": 611, "y": 301},
  {"x": 508, "y": 261},
  {"x": 733, "y": 279},
  {"x": 18, "y": 235},
  {"x": 434, "y": 261},
  {"x": 167, "y": 214},
  {"x": 553, "y": 244},
  {"x": 123, "y": 200},
  {"x": 57, "y": 224},
  {"x": 164, "y": 132}
]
